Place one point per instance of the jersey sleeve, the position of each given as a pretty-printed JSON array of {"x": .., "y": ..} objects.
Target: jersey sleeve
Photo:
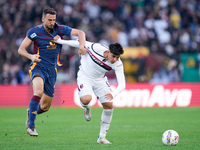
[
  {"x": 99, "y": 48},
  {"x": 31, "y": 34},
  {"x": 65, "y": 30},
  {"x": 119, "y": 72}
]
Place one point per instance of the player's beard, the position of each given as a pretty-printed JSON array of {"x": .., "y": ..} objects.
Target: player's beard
[{"x": 49, "y": 28}]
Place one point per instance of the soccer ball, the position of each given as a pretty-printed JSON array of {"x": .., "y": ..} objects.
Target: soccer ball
[{"x": 170, "y": 137}]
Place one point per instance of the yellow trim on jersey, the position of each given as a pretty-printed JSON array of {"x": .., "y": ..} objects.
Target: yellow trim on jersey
[
  {"x": 58, "y": 60},
  {"x": 33, "y": 66}
]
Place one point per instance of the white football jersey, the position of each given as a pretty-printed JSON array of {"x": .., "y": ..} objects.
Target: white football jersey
[{"x": 94, "y": 64}]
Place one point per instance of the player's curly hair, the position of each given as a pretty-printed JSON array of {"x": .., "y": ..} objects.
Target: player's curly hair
[
  {"x": 48, "y": 10},
  {"x": 116, "y": 49}
]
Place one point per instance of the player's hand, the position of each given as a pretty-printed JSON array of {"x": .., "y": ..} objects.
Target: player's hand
[
  {"x": 82, "y": 51},
  {"x": 109, "y": 96},
  {"x": 56, "y": 38},
  {"x": 35, "y": 58}
]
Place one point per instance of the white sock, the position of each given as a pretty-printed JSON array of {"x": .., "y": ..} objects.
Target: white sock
[
  {"x": 85, "y": 106},
  {"x": 105, "y": 121}
]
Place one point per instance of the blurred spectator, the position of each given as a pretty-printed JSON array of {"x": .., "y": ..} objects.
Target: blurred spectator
[{"x": 6, "y": 76}]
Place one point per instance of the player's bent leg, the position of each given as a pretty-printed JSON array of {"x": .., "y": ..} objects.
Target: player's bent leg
[
  {"x": 84, "y": 101},
  {"x": 87, "y": 113},
  {"x": 31, "y": 114},
  {"x": 43, "y": 107},
  {"x": 107, "y": 105},
  {"x": 45, "y": 104},
  {"x": 38, "y": 84},
  {"x": 106, "y": 119}
]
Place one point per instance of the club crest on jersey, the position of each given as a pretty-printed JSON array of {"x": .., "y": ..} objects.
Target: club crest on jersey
[
  {"x": 33, "y": 35},
  {"x": 81, "y": 86}
]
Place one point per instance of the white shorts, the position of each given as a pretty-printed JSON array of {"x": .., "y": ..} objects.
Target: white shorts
[{"x": 99, "y": 86}]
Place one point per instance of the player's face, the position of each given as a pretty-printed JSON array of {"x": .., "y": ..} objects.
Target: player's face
[
  {"x": 49, "y": 21},
  {"x": 112, "y": 57}
]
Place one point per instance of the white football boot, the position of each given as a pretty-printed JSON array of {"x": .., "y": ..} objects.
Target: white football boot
[
  {"x": 103, "y": 140},
  {"x": 32, "y": 131},
  {"x": 27, "y": 119},
  {"x": 87, "y": 113}
]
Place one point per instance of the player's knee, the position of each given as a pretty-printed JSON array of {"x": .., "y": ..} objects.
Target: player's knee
[
  {"x": 45, "y": 107},
  {"x": 38, "y": 93},
  {"x": 108, "y": 105},
  {"x": 86, "y": 99}
]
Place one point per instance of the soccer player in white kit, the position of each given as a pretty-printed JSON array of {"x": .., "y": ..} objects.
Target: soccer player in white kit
[{"x": 95, "y": 63}]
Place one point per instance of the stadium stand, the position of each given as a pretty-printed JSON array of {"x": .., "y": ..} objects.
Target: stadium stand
[{"x": 170, "y": 29}]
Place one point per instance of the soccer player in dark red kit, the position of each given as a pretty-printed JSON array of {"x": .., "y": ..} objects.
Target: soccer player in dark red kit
[{"x": 45, "y": 60}]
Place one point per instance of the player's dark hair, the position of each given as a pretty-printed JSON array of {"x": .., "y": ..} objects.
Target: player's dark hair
[
  {"x": 48, "y": 10},
  {"x": 116, "y": 49}
]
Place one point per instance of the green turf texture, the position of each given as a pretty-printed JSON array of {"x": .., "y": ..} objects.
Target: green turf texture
[{"x": 131, "y": 128}]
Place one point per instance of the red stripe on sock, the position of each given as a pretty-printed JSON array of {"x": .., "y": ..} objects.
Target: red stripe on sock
[{"x": 36, "y": 98}]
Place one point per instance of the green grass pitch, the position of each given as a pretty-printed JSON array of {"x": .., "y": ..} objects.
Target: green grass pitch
[{"x": 131, "y": 128}]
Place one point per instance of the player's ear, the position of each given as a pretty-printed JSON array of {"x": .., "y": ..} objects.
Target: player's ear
[
  {"x": 105, "y": 54},
  {"x": 42, "y": 19}
]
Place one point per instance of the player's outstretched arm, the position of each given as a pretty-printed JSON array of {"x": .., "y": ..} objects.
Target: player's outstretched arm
[
  {"x": 81, "y": 37},
  {"x": 22, "y": 51},
  {"x": 73, "y": 43},
  {"x": 121, "y": 84},
  {"x": 121, "y": 81}
]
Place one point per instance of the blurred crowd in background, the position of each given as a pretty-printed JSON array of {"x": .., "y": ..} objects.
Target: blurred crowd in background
[{"x": 168, "y": 28}]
